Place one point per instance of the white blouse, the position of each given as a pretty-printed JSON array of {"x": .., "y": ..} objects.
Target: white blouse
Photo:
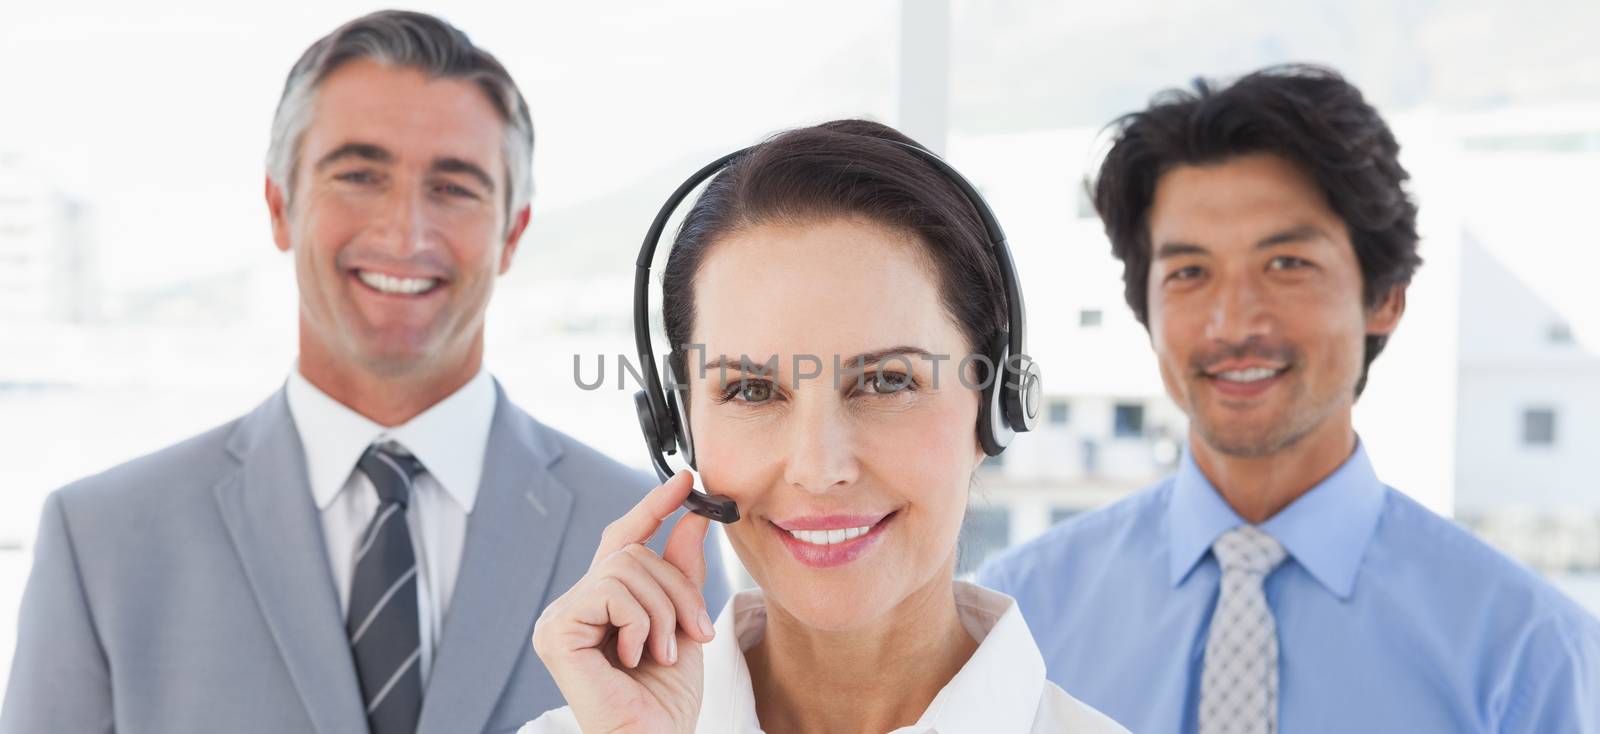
[{"x": 1001, "y": 689}]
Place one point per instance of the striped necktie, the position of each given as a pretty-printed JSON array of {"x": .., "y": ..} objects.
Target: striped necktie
[{"x": 382, "y": 620}]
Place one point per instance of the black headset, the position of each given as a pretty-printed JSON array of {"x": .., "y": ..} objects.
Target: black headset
[{"x": 1008, "y": 407}]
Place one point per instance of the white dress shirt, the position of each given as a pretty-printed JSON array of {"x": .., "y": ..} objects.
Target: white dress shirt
[
  {"x": 449, "y": 439},
  {"x": 1001, "y": 689}
]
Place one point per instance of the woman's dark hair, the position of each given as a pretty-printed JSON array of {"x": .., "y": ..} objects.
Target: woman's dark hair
[
  {"x": 844, "y": 168},
  {"x": 1306, "y": 114}
]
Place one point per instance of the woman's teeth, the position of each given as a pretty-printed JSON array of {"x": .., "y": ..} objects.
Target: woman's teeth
[
  {"x": 391, "y": 284},
  {"x": 828, "y": 537},
  {"x": 1249, "y": 375}
]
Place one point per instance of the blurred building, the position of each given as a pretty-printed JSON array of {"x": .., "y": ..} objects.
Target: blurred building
[
  {"x": 48, "y": 268},
  {"x": 1528, "y": 426},
  {"x": 1529, "y": 422}
]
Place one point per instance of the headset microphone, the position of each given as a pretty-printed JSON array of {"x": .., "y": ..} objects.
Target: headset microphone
[{"x": 1008, "y": 407}]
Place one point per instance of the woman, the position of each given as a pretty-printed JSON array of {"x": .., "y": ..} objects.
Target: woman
[{"x": 831, "y": 282}]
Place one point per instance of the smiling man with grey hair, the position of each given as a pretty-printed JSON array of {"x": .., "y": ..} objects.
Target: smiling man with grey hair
[{"x": 367, "y": 550}]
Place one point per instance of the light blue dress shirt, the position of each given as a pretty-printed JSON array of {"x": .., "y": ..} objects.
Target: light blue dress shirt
[{"x": 1390, "y": 618}]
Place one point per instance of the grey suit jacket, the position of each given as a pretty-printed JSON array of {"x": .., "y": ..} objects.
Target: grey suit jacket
[{"x": 189, "y": 591}]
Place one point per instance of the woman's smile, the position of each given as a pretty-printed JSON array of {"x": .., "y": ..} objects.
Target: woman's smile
[{"x": 833, "y": 540}]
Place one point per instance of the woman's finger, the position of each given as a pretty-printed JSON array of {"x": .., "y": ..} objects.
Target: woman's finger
[
  {"x": 615, "y": 605},
  {"x": 642, "y": 521},
  {"x": 628, "y": 567},
  {"x": 584, "y": 618},
  {"x": 686, "y": 548},
  {"x": 687, "y": 601}
]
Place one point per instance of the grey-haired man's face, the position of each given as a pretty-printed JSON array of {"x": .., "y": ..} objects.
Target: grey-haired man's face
[{"x": 396, "y": 220}]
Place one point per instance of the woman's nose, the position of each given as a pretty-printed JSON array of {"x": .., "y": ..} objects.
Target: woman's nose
[{"x": 821, "y": 455}]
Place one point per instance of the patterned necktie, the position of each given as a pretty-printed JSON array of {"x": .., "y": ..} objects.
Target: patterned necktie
[
  {"x": 382, "y": 621},
  {"x": 1239, "y": 684}
]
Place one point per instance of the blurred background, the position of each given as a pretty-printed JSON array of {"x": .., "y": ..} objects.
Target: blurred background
[{"x": 142, "y": 301}]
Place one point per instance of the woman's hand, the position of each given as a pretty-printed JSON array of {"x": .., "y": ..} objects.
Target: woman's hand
[{"x": 624, "y": 643}]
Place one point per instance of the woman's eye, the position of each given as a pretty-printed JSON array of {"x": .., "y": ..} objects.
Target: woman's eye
[
  {"x": 751, "y": 391},
  {"x": 885, "y": 382}
]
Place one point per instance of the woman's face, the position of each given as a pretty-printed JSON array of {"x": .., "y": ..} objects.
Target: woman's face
[{"x": 851, "y": 482}]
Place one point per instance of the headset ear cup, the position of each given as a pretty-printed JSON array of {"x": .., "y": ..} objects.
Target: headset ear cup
[
  {"x": 678, "y": 415},
  {"x": 647, "y": 421},
  {"x": 1021, "y": 396},
  {"x": 994, "y": 434},
  {"x": 656, "y": 397}
]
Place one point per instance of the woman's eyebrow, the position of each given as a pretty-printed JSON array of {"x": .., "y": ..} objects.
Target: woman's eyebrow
[
  {"x": 745, "y": 364},
  {"x": 880, "y": 355}
]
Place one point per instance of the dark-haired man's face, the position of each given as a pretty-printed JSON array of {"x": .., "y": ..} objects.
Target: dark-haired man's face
[{"x": 1256, "y": 310}]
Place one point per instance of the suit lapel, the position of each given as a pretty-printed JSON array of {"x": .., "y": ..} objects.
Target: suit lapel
[
  {"x": 277, "y": 534},
  {"x": 514, "y": 537}
]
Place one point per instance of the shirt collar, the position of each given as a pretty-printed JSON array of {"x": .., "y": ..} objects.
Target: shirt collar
[
  {"x": 449, "y": 438},
  {"x": 1000, "y": 686},
  {"x": 1326, "y": 530},
  {"x": 998, "y": 689}
]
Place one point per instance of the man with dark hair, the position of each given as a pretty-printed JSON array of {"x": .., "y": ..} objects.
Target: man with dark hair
[
  {"x": 1274, "y": 583},
  {"x": 368, "y": 550}
]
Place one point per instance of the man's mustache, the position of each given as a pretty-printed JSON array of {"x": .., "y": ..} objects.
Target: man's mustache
[{"x": 1255, "y": 347}]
